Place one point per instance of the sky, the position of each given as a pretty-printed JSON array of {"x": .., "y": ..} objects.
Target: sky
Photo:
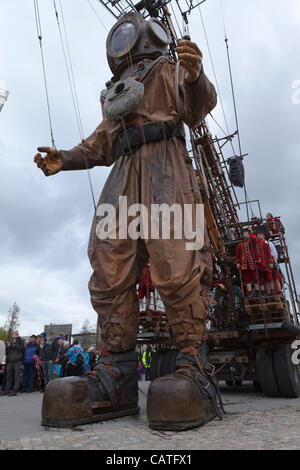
[{"x": 45, "y": 222}]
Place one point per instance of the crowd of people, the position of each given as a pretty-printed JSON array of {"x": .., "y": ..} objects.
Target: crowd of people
[
  {"x": 31, "y": 364},
  {"x": 257, "y": 260},
  {"x": 257, "y": 273}
]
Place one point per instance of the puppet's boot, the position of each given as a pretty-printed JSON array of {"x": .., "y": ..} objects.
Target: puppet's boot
[
  {"x": 108, "y": 392},
  {"x": 186, "y": 399}
]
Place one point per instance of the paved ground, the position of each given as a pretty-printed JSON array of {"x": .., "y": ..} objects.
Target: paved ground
[{"x": 252, "y": 421}]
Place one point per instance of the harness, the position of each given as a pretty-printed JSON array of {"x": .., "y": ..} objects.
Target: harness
[{"x": 134, "y": 137}]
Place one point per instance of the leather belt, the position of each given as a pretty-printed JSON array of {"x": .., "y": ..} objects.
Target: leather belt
[{"x": 136, "y": 136}]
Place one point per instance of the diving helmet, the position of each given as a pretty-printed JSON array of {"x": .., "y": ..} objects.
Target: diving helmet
[{"x": 133, "y": 38}]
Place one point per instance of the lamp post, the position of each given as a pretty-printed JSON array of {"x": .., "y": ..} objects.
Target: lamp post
[{"x": 3, "y": 94}]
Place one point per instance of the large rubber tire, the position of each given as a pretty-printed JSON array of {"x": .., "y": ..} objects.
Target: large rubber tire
[
  {"x": 155, "y": 368},
  {"x": 288, "y": 374},
  {"x": 266, "y": 371},
  {"x": 257, "y": 386},
  {"x": 173, "y": 362}
]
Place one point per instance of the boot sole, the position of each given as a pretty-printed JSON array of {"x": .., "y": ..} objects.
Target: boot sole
[
  {"x": 70, "y": 423},
  {"x": 181, "y": 426}
]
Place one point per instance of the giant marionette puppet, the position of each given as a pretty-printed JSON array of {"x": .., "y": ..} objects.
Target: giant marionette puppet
[{"x": 142, "y": 135}]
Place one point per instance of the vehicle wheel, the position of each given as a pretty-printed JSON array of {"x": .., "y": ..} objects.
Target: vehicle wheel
[
  {"x": 266, "y": 371},
  {"x": 229, "y": 383},
  {"x": 288, "y": 374},
  {"x": 155, "y": 368},
  {"x": 173, "y": 362},
  {"x": 165, "y": 362}
]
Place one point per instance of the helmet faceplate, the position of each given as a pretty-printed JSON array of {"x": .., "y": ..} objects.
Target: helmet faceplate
[{"x": 133, "y": 38}]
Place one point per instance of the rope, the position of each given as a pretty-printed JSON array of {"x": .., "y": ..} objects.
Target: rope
[
  {"x": 214, "y": 70},
  {"x": 235, "y": 108},
  {"x": 71, "y": 79},
  {"x": 220, "y": 96},
  {"x": 224, "y": 132},
  {"x": 40, "y": 38},
  {"x": 176, "y": 19},
  {"x": 224, "y": 365},
  {"x": 99, "y": 19},
  {"x": 70, "y": 73},
  {"x": 145, "y": 394}
]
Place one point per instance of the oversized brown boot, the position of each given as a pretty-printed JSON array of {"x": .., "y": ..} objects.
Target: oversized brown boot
[
  {"x": 186, "y": 399},
  {"x": 108, "y": 392}
]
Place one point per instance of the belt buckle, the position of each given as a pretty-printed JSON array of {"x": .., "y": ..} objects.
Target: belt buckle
[
  {"x": 212, "y": 367},
  {"x": 163, "y": 129}
]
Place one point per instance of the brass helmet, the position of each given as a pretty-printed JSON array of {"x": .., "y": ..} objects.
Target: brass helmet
[{"x": 133, "y": 38}]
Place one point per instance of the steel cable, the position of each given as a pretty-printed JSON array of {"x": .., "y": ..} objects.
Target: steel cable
[{"x": 40, "y": 38}]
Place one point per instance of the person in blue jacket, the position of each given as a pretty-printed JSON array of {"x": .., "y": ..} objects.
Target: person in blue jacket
[{"x": 32, "y": 350}]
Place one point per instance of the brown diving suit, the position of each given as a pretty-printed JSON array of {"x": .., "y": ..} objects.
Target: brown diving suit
[{"x": 155, "y": 173}]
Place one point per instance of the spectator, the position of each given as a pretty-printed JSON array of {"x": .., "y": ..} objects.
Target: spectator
[
  {"x": 66, "y": 346},
  {"x": 48, "y": 356},
  {"x": 61, "y": 351},
  {"x": 65, "y": 359},
  {"x": 61, "y": 359},
  {"x": 39, "y": 366},
  {"x": 145, "y": 286},
  {"x": 98, "y": 356},
  {"x": 92, "y": 356},
  {"x": 86, "y": 356},
  {"x": 77, "y": 359},
  {"x": 14, "y": 358},
  {"x": 140, "y": 368},
  {"x": 32, "y": 350},
  {"x": 39, "y": 374}
]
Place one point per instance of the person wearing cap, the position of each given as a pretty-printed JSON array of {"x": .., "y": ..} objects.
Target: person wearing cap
[
  {"x": 14, "y": 357},
  {"x": 274, "y": 225},
  {"x": 247, "y": 263}
]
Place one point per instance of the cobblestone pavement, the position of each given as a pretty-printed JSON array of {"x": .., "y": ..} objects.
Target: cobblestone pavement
[{"x": 252, "y": 421}]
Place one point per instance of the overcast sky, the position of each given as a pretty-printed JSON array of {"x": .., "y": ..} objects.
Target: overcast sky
[{"x": 45, "y": 222}]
